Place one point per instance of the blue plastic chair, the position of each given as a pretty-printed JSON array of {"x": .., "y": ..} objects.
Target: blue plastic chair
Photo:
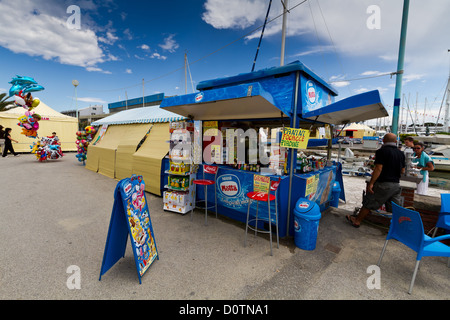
[
  {"x": 406, "y": 227},
  {"x": 444, "y": 216}
]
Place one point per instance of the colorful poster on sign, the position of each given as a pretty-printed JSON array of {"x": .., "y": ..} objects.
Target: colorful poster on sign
[
  {"x": 311, "y": 185},
  {"x": 130, "y": 216},
  {"x": 321, "y": 188},
  {"x": 139, "y": 222},
  {"x": 101, "y": 133},
  {"x": 261, "y": 183},
  {"x": 294, "y": 138}
]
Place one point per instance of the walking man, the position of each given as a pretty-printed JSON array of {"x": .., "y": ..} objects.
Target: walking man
[{"x": 384, "y": 186}]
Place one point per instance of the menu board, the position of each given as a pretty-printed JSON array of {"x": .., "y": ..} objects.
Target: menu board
[
  {"x": 130, "y": 216},
  {"x": 261, "y": 183}
]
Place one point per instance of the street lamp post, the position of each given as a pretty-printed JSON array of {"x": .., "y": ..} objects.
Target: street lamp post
[{"x": 75, "y": 84}]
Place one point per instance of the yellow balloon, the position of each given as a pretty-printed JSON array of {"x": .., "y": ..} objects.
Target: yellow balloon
[{"x": 35, "y": 102}]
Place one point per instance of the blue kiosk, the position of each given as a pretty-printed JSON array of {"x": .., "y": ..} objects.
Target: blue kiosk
[{"x": 291, "y": 95}]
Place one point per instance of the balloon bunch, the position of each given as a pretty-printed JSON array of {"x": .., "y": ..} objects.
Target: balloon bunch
[
  {"x": 29, "y": 123},
  {"x": 83, "y": 139},
  {"x": 21, "y": 88},
  {"x": 47, "y": 148}
]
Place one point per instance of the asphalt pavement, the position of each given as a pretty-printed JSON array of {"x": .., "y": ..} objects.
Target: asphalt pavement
[{"x": 54, "y": 220}]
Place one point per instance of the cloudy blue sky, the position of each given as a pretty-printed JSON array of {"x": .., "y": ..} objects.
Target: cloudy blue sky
[{"x": 120, "y": 44}]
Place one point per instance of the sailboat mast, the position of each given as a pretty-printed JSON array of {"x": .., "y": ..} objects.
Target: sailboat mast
[{"x": 447, "y": 107}]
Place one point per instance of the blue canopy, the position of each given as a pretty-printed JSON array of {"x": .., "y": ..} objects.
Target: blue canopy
[
  {"x": 271, "y": 93},
  {"x": 360, "y": 107},
  {"x": 278, "y": 72},
  {"x": 251, "y": 101}
]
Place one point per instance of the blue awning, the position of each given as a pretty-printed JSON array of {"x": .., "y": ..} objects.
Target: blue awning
[
  {"x": 249, "y": 101},
  {"x": 360, "y": 107}
]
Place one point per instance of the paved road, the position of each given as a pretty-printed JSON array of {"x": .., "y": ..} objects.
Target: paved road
[{"x": 56, "y": 214}]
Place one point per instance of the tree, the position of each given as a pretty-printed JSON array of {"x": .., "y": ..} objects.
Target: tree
[{"x": 5, "y": 105}]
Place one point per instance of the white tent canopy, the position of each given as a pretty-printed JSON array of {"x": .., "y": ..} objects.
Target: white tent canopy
[
  {"x": 51, "y": 121},
  {"x": 140, "y": 115},
  {"x": 358, "y": 126}
]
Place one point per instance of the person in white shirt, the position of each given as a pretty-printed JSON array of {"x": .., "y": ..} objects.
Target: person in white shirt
[{"x": 408, "y": 151}]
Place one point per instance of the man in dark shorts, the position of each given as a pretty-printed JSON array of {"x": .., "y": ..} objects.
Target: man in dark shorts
[{"x": 384, "y": 186}]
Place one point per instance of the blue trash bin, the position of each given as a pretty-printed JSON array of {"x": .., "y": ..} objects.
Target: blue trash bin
[
  {"x": 306, "y": 224},
  {"x": 335, "y": 193}
]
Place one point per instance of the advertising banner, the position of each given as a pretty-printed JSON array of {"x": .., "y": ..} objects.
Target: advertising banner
[
  {"x": 314, "y": 96},
  {"x": 130, "y": 215}
]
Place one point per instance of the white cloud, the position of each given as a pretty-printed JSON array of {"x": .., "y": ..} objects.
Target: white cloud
[
  {"x": 128, "y": 34},
  {"x": 314, "y": 50},
  {"x": 360, "y": 90},
  {"x": 340, "y": 84},
  {"x": 170, "y": 44},
  {"x": 110, "y": 38},
  {"x": 411, "y": 77},
  {"x": 129, "y": 71},
  {"x": 37, "y": 28},
  {"x": 338, "y": 81},
  {"x": 364, "y": 89},
  {"x": 234, "y": 14},
  {"x": 156, "y": 55},
  {"x": 92, "y": 100},
  {"x": 346, "y": 22},
  {"x": 372, "y": 73},
  {"x": 97, "y": 69},
  {"x": 144, "y": 47}
]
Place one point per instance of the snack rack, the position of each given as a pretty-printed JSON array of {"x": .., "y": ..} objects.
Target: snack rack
[{"x": 180, "y": 194}]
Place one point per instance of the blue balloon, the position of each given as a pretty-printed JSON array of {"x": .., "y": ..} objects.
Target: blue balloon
[
  {"x": 32, "y": 88},
  {"x": 22, "y": 80},
  {"x": 24, "y": 84},
  {"x": 15, "y": 89}
]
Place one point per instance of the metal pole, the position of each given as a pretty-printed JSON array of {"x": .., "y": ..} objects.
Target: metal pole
[
  {"x": 401, "y": 59},
  {"x": 293, "y": 151},
  {"x": 262, "y": 34},
  {"x": 283, "y": 32},
  {"x": 447, "y": 107},
  {"x": 185, "y": 74}
]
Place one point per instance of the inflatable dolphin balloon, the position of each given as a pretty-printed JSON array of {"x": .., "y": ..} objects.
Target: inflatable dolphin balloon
[
  {"x": 22, "y": 80},
  {"x": 33, "y": 88},
  {"x": 24, "y": 84}
]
